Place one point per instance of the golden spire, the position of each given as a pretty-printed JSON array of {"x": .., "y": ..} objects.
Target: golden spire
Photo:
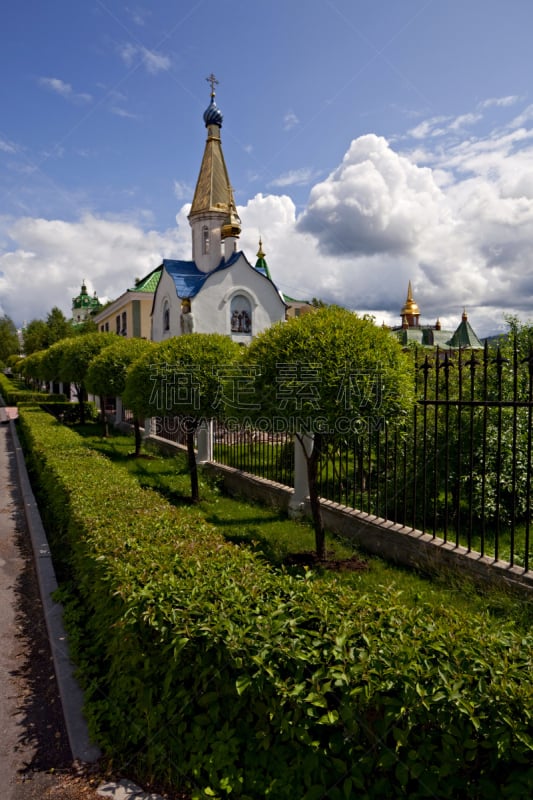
[
  {"x": 410, "y": 312},
  {"x": 261, "y": 263},
  {"x": 410, "y": 307},
  {"x": 213, "y": 191},
  {"x": 232, "y": 223}
]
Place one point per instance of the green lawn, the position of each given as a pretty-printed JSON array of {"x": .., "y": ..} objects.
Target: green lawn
[
  {"x": 337, "y": 474},
  {"x": 276, "y": 538}
]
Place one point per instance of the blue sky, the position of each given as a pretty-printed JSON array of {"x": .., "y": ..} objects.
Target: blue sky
[{"x": 369, "y": 142}]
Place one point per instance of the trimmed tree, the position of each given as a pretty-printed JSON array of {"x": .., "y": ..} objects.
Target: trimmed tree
[
  {"x": 74, "y": 356},
  {"x": 51, "y": 360},
  {"x": 183, "y": 377},
  {"x": 106, "y": 376},
  {"x": 323, "y": 375},
  {"x": 32, "y": 368}
]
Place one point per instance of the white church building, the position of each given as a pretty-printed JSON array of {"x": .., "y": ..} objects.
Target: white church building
[{"x": 218, "y": 291}]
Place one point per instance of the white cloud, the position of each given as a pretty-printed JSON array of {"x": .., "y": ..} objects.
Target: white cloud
[
  {"x": 461, "y": 229},
  {"x": 508, "y": 100},
  {"x": 64, "y": 90},
  {"x": 121, "y": 112},
  {"x": 375, "y": 202},
  {"x": 290, "y": 121},
  {"x": 7, "y": 147},
  {"x": 441, "y": 126},
  {"x": 464, "y": 120},
  {"x": 138, "y": 15},
  {"x": 53, "y": 257},
  {"x": 296, "y": 177},
  {"x": 525, "y": 117},
  {"x": 128, "y": 53},
  {"x": 429, "y": 127},
  {"x": 182, "y": 191},
  {"x": 153, "y": 62}
]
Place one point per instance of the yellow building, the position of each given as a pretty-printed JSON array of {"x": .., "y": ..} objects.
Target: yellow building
[
  {"x": 297, "y": 308},
  {"x": 130, "y": 314}
]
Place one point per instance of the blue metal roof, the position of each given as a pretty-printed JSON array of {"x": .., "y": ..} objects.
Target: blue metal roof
[
  {"x": 212, "y": 114},
  {"x": 188, "y": 279}
]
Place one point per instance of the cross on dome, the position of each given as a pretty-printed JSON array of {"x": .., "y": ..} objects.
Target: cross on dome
[{"x": 212, "y": 80}]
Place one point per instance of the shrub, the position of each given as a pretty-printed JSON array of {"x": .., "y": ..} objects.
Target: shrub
[
  {"x": 14, "y": 394},
  {"x": 202, "y": 665},
  {"x": 70, "y": 413}
]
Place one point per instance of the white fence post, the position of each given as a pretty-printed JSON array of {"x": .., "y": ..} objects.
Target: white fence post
[
  {"x": 301, "y": 482},
  {"x": 205, "y": 441},
  {"x": 147, "y": 427}
]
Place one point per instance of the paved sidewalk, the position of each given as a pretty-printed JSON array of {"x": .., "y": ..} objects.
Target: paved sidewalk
[
  {"x": 33, "y": 739},
  {"x": 7, "y": 413}
]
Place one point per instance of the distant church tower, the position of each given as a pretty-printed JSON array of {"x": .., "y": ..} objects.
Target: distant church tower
[
  {"x": 412, "y": 332},
  {"x": 213, "y": 216},
  {"x": 410, "y": 311},
  {"x": 84, "y": 306}
]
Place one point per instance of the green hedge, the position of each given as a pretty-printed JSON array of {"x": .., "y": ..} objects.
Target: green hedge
[
  {"x": 205, "y": 668},
  {"x": 55, "y": 404},
  {"x": 69, "y": 413},
  {"x": 14, "y": 394}
]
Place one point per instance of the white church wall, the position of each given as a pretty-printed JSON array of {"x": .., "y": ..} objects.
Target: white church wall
[
  {"x": 214, "y": 304},
  {"x": 212, "y": 307},
  {"x": 163, "y": 326}
]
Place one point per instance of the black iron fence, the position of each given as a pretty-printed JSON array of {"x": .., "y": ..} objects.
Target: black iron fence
[
  {"x": 459, "y": 469},
  {"x": 267, "y": 455}
]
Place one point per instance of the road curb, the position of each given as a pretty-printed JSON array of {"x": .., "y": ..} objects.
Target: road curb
[
  {"x": 71, "y": 695},
  {"x": 69, "y": 690}
]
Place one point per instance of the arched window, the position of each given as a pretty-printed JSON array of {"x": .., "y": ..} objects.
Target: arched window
[
  {"x": 205, "y": 240},
  {"x": 166, "y": 316},
  {"x": 240, "y": 314}
]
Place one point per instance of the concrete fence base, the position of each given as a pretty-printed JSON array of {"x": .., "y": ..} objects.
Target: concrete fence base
[{"x": 374, "y": 535}]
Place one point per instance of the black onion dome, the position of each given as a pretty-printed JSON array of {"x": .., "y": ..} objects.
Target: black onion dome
[{"x": 212, "y": 114}]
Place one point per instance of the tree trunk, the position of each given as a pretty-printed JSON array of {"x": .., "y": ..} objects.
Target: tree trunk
[
  {"x": 137, "y": 434},
  {"x": 312, "y": 475},
  {"x": 105, "y": 428},
  {"x": 81, "y": 401},
  {"x": 191, "y": 458}
]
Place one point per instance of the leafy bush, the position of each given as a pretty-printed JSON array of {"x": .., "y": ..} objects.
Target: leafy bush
[
  {"x": 13, "y": 393},
  {"x": 70, "y": 413},
  {"x": 202, "y": 665}
]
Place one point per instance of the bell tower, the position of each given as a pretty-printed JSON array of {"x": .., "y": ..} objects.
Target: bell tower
[{"x": 213, "y": 216}]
